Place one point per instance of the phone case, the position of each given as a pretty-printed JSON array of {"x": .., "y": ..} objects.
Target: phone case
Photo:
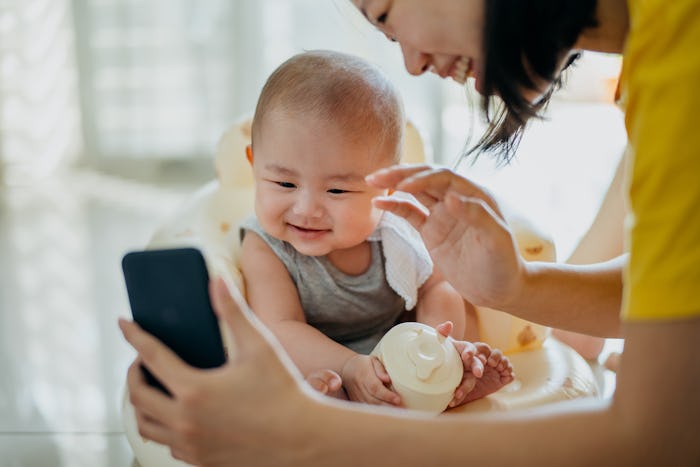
[{"x": 169, "y": 297}]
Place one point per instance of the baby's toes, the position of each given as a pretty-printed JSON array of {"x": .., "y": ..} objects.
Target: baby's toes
[
  {"x": 496, "y": 358},
  {"x": 482, "y": 349},
  {"x": 505, "y": 369},
  {"x": 504, "y": 366}
]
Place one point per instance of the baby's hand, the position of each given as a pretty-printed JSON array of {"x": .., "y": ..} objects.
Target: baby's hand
[
  {"x": 366, "y": 380},
  {"x": 473, "y": 357},
  {"x": 327, "y": 382}
]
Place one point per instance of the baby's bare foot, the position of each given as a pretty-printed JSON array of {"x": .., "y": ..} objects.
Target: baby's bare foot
[
  {"x": 327, "y": 382},
  {"x": 498, "y": 372}
]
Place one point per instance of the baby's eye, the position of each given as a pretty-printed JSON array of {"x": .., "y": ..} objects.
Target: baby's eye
[
  {"x": 286, "y": 184},
  {"x": 337, "y": 191},
  {"x": 381, "y": 19}
]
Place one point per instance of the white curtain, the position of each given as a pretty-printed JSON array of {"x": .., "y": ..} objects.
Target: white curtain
[
  {"x": 39, "y": 117},
  {"x": 110, "y": 81}
]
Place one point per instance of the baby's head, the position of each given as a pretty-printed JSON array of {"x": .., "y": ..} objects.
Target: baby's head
[
  {"x": 324, "y": 121},
  {"x": 339, "y": 90}
]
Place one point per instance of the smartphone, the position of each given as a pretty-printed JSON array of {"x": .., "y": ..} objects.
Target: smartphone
[{"x": 169, "y": 297}]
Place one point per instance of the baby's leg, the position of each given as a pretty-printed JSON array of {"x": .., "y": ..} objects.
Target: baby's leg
[
  {"x": 328, "y": 383},
  {"x": 497, "y": 372}
]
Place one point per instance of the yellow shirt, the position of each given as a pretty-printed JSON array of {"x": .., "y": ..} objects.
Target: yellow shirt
[{"x": 661, "y": 94}]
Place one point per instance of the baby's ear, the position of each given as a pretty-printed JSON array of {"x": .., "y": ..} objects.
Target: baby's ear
[{"x": 249, "y": 153}]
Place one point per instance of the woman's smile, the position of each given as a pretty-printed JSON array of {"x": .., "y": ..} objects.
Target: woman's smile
[{"x": 460, "y": 70}]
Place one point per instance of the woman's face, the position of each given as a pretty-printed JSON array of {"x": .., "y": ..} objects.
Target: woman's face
[
  {"x": 445, "y": 37},
  {"x": 441, "y": 36}
]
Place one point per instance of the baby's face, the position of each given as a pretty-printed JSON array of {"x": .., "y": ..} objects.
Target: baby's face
[{"x": 309, "y": 184}]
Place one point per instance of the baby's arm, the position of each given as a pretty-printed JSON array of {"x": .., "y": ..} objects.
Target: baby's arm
[
  {"x": 438, "y": 302},
  {"x": 273, "y": 296}
]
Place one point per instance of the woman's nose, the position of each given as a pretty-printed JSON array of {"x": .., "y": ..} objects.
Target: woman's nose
[{"x": 416, "y": 61}]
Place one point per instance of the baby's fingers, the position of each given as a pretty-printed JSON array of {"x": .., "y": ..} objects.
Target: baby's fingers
[
  {"x": 472, "y": 357},
  {"x": 384, "y": 396},
  {"x": 476, "y": 367},
  {"x": 324, "y": 381},
  {"x": 445, "y": 329},
  {"x": 380, "y": 371}
]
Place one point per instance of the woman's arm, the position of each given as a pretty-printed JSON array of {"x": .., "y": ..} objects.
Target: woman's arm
[
  {"x": 605, "y": 236},
  {"x": 647, "y": 423},
  {"x": 652, "y": 419},
  {"x": 602, "y": 242},
  {"x": 466, "y": 235}
]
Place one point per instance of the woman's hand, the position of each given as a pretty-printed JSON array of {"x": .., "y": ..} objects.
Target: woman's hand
[
  {"x": 221, "y": 416},
  {"x": 463, "y": 230}
]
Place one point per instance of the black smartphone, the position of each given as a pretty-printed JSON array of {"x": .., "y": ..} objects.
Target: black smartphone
[{"x": 169, "y": 297}]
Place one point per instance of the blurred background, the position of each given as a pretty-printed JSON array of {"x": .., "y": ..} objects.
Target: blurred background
[
  {"x": 144, "y": 89},
  {"x": 110, "y": 112}
]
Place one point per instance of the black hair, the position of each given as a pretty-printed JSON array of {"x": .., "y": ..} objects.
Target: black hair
[{"x": 525, "y": 39}]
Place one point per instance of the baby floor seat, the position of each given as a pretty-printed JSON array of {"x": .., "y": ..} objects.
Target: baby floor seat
[{"x": 546, "y": 370}]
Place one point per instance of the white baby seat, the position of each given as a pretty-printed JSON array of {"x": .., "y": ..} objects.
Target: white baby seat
[{"x": 546, "y": 370}]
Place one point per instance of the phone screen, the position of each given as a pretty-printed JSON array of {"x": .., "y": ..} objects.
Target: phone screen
[{"x": 169, "y": 298}]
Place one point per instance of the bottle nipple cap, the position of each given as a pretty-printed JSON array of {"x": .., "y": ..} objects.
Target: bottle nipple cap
[{"x": 426, "y": 353}]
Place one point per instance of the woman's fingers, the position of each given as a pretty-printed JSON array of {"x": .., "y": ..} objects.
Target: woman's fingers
[
  {"x": 403, "y": 208},
  {"x": 250, "y": 335},
  {"x": 390, "y": 177},
  {"x": 231, "y": 307},
  {"x": 150, "y": 429},
  {"x": 474, "y": 211},
  {"x": 427, "y": 184},
  {"x": 423, "y": 180},
  {"x": 430, "y": 185},
  {"x": 147, "y": 400},
  {"x": 165, "y": 365}
]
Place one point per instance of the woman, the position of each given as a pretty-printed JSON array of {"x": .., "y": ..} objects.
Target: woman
[{"x": 515, "y": 49}]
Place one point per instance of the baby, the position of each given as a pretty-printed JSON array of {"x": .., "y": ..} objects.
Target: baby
[{"x": 325, "y": 270}]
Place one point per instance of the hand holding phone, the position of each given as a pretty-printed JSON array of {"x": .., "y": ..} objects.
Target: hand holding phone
[{"x": 169, "y": 297}]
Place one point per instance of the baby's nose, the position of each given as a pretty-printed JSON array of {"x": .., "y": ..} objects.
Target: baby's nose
[{"x": 308, "y": 205}]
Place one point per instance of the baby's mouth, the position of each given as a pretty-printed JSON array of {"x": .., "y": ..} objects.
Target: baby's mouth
[{"x": 306, "y": 229}]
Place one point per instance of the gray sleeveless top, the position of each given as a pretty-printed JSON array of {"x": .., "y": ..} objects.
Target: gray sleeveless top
[{"x": 355, "y": 311}]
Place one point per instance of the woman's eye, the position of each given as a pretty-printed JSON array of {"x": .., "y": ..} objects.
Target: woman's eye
[
  {"x": 573, "y": 58},
  {"x": 337, "y": 191},
  {"x": 286, "y": 184}
]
